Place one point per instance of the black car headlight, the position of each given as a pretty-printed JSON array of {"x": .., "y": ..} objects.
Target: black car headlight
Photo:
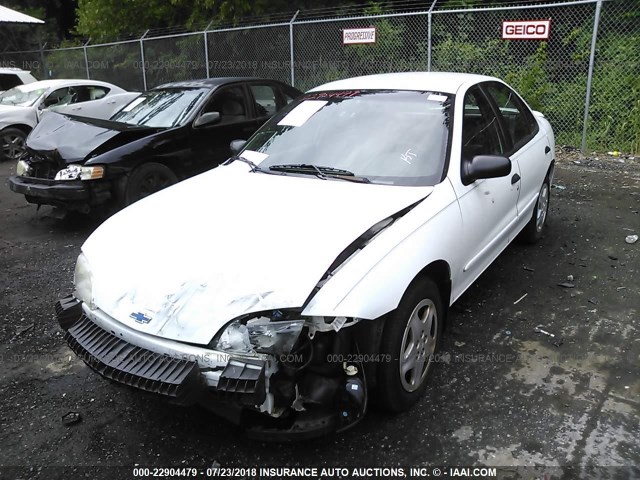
[
  {"x": 78, "y": 172},
  {"x": 23, "y": 169}
]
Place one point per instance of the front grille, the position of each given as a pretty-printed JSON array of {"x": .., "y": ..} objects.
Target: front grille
[
  {"x": 41, "y": 169},
  {"x": 42, "y": 166},
  {"x": 125, "y": 363}
]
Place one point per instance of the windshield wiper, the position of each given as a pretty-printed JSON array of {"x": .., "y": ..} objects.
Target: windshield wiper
[
  {"x": 320, "y": 171},
  {"x": 254, "y": 167}
]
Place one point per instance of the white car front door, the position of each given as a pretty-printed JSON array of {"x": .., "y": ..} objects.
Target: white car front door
[{"x": 488, "y": 206}]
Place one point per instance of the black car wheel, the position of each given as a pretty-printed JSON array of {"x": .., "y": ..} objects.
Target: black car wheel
[
  {"x": 147, "y": 179},
  {"x": 11, "y": 144},
  {"x": 410, "y": 339}
]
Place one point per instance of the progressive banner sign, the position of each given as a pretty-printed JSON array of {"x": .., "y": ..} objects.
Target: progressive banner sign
[
  {"x": 526, "y": 30},
  {"x": 351, "y": 36}
]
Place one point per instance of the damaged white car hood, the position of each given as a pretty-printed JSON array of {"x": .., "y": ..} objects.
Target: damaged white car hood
[{"x": 187, "y": 260}]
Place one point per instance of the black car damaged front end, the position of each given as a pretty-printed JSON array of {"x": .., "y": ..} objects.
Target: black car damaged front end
[
  {"x": 75, "y": 163},
  {"x": 38, "y": 179},
  {"x": 318, "y": 387}
]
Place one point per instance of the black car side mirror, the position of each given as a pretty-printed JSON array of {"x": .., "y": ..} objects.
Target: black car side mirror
[
  {"x": 207, "y": 119},
  {"x": 236, "y": 146},
  {"x": 485, "y": 166}
]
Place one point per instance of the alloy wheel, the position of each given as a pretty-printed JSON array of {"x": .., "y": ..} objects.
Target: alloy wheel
[{"x": 418, "y": 345}]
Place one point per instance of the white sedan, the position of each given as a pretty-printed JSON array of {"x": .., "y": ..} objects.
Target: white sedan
[
  {"x": 315, "y": 269},
  {"x": 21, "y": 107}
]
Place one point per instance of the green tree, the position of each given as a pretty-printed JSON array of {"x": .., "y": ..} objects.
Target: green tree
[{"x": 109, "y": 19}]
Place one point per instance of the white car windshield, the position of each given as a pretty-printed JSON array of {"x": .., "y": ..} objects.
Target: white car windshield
[
  {"x": 163, "y": 108},
  {"x": 391, "y": 137},
  {"x": 22, "y": 96}
]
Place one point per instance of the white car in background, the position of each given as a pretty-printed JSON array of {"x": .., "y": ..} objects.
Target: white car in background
[
  {"x": 12, "y": 77},
  {"x": 332, "y": 246},
  {"x": 21, "y": 107}
]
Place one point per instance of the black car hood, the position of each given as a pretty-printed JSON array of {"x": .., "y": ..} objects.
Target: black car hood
[{"x": 71, "y": 139}]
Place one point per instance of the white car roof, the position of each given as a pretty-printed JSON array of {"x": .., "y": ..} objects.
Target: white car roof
[
  {"x": 12, "y": 70},
  {"x": 445, "y": 82},
  {"x": 46, "y": 84}
]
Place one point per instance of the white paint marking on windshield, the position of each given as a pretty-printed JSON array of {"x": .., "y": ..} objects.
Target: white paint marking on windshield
[
  {"x": 303, "y": 112},
  {"x": 436, "y": 98},
  {"x": 408, "y": 156}
]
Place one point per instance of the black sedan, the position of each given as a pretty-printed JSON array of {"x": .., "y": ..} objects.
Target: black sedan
[{"x": 165, "y": 135}]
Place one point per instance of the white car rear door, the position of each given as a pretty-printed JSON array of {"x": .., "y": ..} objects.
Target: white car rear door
[
  {"x": 529, "y": 148},
  {"x": 96, "y": 101}
]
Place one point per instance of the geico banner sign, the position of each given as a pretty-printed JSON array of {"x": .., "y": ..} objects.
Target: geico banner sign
[{"x": 526, "y": 30}]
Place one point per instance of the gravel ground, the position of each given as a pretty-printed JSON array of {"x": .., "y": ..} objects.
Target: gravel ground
[{"x": 504, "y": 394}]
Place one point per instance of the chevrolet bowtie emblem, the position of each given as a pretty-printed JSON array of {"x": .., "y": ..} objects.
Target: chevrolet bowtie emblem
[{"x": 140, "y": 317}]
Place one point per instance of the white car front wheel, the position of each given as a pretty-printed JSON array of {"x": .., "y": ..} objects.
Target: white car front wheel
[
  {"x": 410, "y": 340},
  {"x": 11, "y": 144}
]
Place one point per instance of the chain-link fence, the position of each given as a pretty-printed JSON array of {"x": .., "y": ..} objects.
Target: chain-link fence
[
  {"x": 551, "y": 75},
  {"x": 585, "y": 77},
  {"x": 261, "y": 51},
  {"x": 401, "y": 45}
]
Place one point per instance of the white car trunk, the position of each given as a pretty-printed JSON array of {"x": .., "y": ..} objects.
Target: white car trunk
[{"x": 189, "y": 259}]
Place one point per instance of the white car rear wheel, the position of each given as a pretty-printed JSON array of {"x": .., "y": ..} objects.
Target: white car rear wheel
[{"x": 534, "y": 229}]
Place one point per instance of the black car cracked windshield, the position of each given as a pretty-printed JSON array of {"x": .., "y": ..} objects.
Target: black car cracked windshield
[
  {"x": 165, "y": 135},
  {"x": 389, "y": 137},
  {"x": 164, "y": 108}
]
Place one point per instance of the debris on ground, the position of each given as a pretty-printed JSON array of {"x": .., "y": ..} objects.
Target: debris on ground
[
  {"x": 631, "y": 239},
  {"x": 528, "y": 269},
  {"x": 459, "y": 344},
  {"x": 570, "y": 278},
  {"x": 20, "y": 330},
  {"x": 539, "y": 329},
  {"x": 557, "y": 340},
  {"x": 71, "y": 418},
  {"x": 594, "y": 301},
  {"x": 566, "y": 285},
  {"x": 518, "y": 300},
  {"x": 558, "y": 187}
]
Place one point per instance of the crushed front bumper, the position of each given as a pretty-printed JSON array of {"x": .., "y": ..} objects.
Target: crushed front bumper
[
  {"x": 235, "y": 387},
  {"x": 73, "y": 194}
]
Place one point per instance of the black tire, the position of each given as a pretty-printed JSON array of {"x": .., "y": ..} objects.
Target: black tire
[
  {"x": 396, "y": 391},
  {"x": 533, "y": 231},
  {"x": 11, "y": 144},
  {"x": 146, "y": 180}
]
